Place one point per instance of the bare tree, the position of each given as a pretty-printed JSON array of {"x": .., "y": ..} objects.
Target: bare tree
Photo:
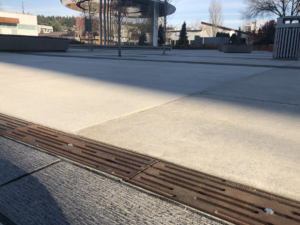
[
  {"x": 261, "y": 8},
  {"x": 196, "y": 24},
  {"x": 79, "y": 25},
  {"x": 216, "y": 16}
]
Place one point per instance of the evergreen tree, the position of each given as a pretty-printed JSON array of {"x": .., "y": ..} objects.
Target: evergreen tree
[
  {"x": 143, "y": 39},
  {"x": 234, "y": 39},
  {"x": 161, "y": 35},
  {"x": 65, "y": 22},
  {"x": 183, "y": 39},
  {"x": 57, "y": 27},
  {"x": 220, "y": 34},
  {"x": 239, "y": 35}
]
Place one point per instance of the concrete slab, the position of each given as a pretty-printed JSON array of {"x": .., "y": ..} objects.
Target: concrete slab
[
  {"x": 71, "y": 94},
  {"x": 247, "y": 141},
  {"x": 278, "y": 85},
  {"x": 235, "y": 126},
  {"x": 67, "y": 194},
  {"x": 17, "y": 160},
  {"x": 204, "y": 56}
]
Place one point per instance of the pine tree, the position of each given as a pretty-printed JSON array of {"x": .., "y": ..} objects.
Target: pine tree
[
  {"x": 183, "y": 39},
  {"x": 234, "y": 39},
  {"x": 143, "y": 39},
  {"x": 160, "y": 35}
]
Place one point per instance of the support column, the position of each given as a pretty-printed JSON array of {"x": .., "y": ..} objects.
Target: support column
[
  {"x": 110, "y": 37},
  {"x": 107, "y": 20},
  {"x": 155, "y": 23},
  {"x": 100, "y": 22},
  {"x": 104, "y": 13}
]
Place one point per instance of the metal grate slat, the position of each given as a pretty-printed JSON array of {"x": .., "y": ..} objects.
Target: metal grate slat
[
  {"x": 238, "y": 204},
  {"x": 106, "y": 158}
]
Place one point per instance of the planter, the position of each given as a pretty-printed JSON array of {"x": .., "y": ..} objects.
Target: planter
[
  {"x": 220, "y": 48},
  {"x": 32, "y": 43},
  {"x": 237, "y": 49}
]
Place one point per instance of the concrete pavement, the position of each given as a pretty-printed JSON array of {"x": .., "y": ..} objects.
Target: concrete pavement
[
  {"x": 237, "y": 122},
  {"x": 71, "y": 94}
]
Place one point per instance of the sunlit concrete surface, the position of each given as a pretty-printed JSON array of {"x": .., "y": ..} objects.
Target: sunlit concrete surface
[
  {"x": 71, "y": 93},
  {"x": 235, "y": 121},
  {"x": 192, "y": 56}
]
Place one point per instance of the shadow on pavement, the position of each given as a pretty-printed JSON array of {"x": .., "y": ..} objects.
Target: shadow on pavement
[{"x": 26, "y": 201}]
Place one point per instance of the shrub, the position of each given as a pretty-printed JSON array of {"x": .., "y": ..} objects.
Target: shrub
[
  {"x": 220, "y": 34},
  {"x": 73, "y": 42},
  {"x": 234, "y": 39},
  {"x": 143, "y": 39}
]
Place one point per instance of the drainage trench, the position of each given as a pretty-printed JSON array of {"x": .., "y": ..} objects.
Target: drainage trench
[{"x": 227, "y": 200}]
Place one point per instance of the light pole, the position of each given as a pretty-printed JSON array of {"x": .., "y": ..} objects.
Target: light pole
[
  {"x": 100, "y": 21},
  {"x": 119, "y": 28}
]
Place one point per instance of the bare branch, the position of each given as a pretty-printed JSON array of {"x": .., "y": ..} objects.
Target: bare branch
[
  {"x": 261, "y": 8},
  {"x": 216, "y": 16}
]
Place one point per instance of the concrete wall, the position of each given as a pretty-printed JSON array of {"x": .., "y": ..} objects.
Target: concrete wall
[
  {"x": 214, "y": 41},
  {"x": 174, "y": 35},
  {"x": 25, "y": 19},
  {"x": 27, "y": 43},
  {"x": 237, "y": 49},
  {"x": 46, "y": 29},
  {"x": 207, "y": 31}
]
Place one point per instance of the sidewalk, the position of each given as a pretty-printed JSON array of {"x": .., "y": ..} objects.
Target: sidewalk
[{"x": 232, "y": 121}]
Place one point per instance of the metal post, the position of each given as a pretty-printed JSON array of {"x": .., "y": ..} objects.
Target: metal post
[
  {"x": 104, "y": 18},
  {"x": 100, "y": 23},
  {"x": 108, "y": 23},
  {"x": 165, "y": 26},
  {"x": 90, "y": 26},
  {"x": 119, "y": 28}
]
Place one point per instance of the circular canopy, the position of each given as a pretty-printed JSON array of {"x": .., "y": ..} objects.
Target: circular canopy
[{"x": 134, "y": 8}]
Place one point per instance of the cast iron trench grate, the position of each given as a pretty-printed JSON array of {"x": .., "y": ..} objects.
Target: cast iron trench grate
[{"x": 221, "y": 198}]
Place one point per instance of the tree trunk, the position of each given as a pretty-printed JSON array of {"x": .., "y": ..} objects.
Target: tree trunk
[
  {"x": 104, "y": 13},
  {"x": 100, "y": 23}
]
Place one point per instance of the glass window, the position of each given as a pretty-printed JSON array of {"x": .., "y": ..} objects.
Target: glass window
[
  {"x": 8, "y": 25},
  {"x": 27, "y": 27}
]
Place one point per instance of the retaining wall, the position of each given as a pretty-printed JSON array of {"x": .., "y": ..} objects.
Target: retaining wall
[
  {"x": 237, "y": 49},
  {"x": 32, "y": 43}
]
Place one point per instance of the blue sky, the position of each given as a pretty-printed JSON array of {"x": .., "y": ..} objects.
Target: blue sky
[{"x": 187, "y": 10}]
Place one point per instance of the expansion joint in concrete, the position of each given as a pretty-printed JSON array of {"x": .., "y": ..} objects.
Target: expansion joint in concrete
[
  {"x": 251, "y": 99},
  {"x": 30, "y": 173},
  {"x": 4, "y": 220}
]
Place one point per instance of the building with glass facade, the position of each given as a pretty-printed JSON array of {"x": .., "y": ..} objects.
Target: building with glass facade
[
  {"x": 18, "y": 24},
  {"x": 139, "y": 22}
]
